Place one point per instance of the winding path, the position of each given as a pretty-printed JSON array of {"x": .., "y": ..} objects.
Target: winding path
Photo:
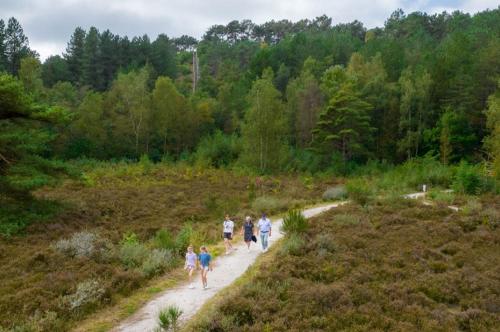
[{"x": 226, "y": 270}]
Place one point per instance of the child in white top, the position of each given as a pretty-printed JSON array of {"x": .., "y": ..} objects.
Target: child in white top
[{"x": 190, "y": 264}]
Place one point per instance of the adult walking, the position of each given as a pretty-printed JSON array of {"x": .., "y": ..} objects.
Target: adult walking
[
  {"x": 264, "y": 227},
  {"x": 247, "y": 230},
  {"x": 228, "y": 228}
]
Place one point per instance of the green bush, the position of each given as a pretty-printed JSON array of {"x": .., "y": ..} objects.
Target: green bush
[
  {"x": 468, "y": 179},
  {"x": 157, "y": 261},
  {"x": 183, "y": 239},
  {"x": 218, "y": 150},
  {"x": 133, "y": 254},
  {"x": 164, "y": 240},
  {"x": 294, "y": 222},
  {"x": 359, "y": 191}
]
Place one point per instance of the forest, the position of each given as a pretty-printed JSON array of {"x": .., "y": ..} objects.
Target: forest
[{"x": 281, "y": 96}]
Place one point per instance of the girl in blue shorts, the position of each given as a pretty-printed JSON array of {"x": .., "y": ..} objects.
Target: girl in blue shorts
[{"x": 206, "y": 265}]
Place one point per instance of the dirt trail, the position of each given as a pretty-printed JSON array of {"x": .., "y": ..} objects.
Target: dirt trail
[{"x": 226, "y": 270}]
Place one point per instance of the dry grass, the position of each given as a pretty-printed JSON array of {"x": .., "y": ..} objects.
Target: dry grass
[
  {"x": 401, "y": 266},
  {"x": 118, "y": 199}
]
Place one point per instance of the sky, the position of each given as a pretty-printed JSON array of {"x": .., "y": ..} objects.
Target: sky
[{"x": 50, "y": 23}]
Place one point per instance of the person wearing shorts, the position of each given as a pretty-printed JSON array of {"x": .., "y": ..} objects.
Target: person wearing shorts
[
  {"x": 205, "y": 260},
  {"x": 228, "y": 228},
  {"x": 190, "y": 264},
  {"x": 247, "y": 230},
  {"x": 264, "y": 228}
]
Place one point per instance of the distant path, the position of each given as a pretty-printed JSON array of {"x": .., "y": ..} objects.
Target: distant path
[{"x": 226, "y": 270}]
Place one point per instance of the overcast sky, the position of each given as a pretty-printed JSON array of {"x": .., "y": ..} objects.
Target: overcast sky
[{"x": 50, "y": 23}]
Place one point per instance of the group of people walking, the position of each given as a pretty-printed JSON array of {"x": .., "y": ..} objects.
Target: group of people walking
[{"x": 248, "y": 230}]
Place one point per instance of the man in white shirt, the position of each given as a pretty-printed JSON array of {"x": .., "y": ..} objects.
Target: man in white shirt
[
  {"x": 228, "y": 228},
  {"x": 264, "y": 228}
]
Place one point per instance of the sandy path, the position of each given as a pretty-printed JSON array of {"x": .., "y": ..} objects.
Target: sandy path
[{"x": 226, "y": 270}]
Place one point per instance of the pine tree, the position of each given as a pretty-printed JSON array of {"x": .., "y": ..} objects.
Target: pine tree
[
  {"x": 92, "y": 69},
  {"x": 3, "y": 57},
  {"x": 16, "y": 46},
  {"x": 74, "y": 56},
  {"x": 492, "y": 142},
  {"x": 344, "y": 124}
]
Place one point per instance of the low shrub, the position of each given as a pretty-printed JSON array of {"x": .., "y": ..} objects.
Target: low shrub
[
  {"x": 294, "y": 222},
  {"x": 292, "y": 245},
  {"x": 164, "y": 240},
  {"x": 468, "y": 179},
  {"x": 84, "y": 244},
  {"x": 133, "y": 255},
  {"x": 168, "y": 319},
  {"x": 157, "y": 261},
  {"x": 337, "y": 192},
  {"x": 269, "y": 204},
  {"x": 87, "y": 293},
  {"x": 359, "y": 191},
  {"x": 347, "y": 219},
  {"x": 183, "y": 238}
]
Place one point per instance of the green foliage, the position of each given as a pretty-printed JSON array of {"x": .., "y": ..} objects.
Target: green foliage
[
  {"x": 359, "y": 190},
  {"x": 295, "y": 222},
  {"x": 470, "y": 179},
  {"x": 157, "y": 261},
  {"x": 492, "y": 142},
  {"x": 168, "y": 319},
  {"x": 133, "y": 254},
  {"x": 88, "y": 293},
  {"x": 264, "y": 129},
  {"x": 163, "y": 240},
  {"x": 183, "y": 238},
  {"x": 293, "y": 245},
  {"x": 218, "y": 150}
]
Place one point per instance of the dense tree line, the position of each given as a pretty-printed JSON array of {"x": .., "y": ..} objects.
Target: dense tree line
[{"x": 304, "y": 95}]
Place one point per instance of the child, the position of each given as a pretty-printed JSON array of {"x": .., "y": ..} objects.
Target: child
[
  {"x": 190, "y": 265},
  {"x": 228, "y": 233},
  {"x": 206, "y": 265}
]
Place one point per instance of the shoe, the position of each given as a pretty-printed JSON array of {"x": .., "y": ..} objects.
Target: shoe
[
  {"x": 205, "y": 287},
  {"x": 227, "y": 252},
  {"x": 191, "y": 286},
  {"x": 248, "y": 249},
  {"x": 265, "y": 250}
]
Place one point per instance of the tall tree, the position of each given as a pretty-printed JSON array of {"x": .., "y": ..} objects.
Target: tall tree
[
  {"x": 16, "y": 45},
  {"x": 30, "y": 74},
  {"x": 3, "y": 56},
  {"x": 344, "y": 124},
  {"x": 264, "y": 129},
  {"x": 129, "y": 100},
  {"x": 55, "y": 69},
  {"x": 74, "y": 55},
  {"x": 163, "y": 57},
  {"x": 92, "y": 68},
  {"x": 492, "y": 141},
  {"x": 304, "y": 103}
]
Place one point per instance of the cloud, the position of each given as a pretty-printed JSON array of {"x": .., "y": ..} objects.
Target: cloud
[{"x": 50, "y": 23}]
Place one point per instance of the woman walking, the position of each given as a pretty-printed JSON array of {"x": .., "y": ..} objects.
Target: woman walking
[{"x": 247, "y": 230}]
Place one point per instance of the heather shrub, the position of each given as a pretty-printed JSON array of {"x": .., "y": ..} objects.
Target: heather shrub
[
  {"x": 332, "y": 193},
  {"x": 87, "y": 293},
  {"x": 269, "y": 204},
  {"x": 157, "y": 261},
  {"x": 292, "y": 245},
  {"x": 294, "y": 222},
  {"x": 347, "y": 219}
]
